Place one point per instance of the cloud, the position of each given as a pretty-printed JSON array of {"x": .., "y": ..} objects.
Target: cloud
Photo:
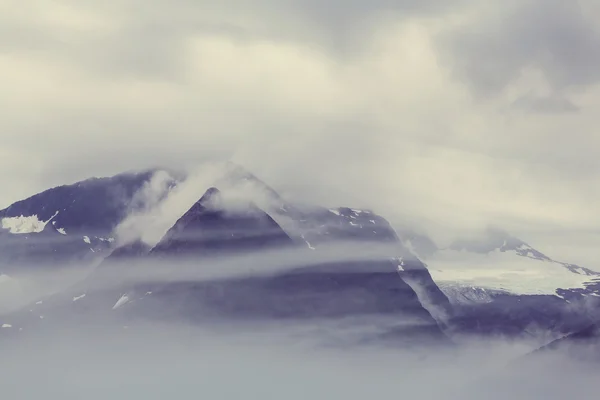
[
  {"x": 448, "y": 115},
  {"x": 545, "y": 104},
  {"x": 263, "y": 362},
  {"x": 492, "y": 47}
]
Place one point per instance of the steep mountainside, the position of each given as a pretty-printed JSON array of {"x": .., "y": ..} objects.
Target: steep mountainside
[
  {"x": 68, "y": 228},
  {"x": 244, "y": 253},
  {"x": 210, "y": 227},
  {"x": 500, "y": 284},
  {"x": 73, "y": 224},
  {"x": 350, "y": 295}
]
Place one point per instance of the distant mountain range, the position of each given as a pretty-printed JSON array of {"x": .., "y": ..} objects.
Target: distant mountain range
[{"x": 243, "y": 253}]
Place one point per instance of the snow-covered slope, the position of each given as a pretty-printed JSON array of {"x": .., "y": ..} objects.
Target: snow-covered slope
[
  {"x": 498, "y": 263},
  {"x": 496, "y": 240},
  {"x": 509, "y": 272},
  {"x": 499, "y": 284}
]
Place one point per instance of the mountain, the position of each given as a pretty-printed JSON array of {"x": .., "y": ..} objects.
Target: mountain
[
  {"x": 497, "y": 262},
  {"x": 71, "y": 224},
  {"x": 583, "y": 345},
  {"x": 257, "y": 259},
  {"x": 316, "y": 227},
  {"x": 212, "y": 226},
  {"x": 242, "y": 253},
  {"x": 69, "y": 228},
  {"x": 499, "y": 284}
]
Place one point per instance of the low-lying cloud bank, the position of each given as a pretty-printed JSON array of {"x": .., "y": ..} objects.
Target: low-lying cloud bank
[{"x": 157, "y": 361}]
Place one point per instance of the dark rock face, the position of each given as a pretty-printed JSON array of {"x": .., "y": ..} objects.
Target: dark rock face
[
  {"x": 379, "y": 301},
  {"x": 583, "y": 345},
  {"x": 27, "y": 252},
  {"x": 322, "y": 290},
  {"x": 92, "y": 206},
  {"x": 210, "y": 228},
  {"x": 492, "y": 313},
  {"x": 315, "y": 292},
  {"x": 591, "y": 292},
  {"x": 590, "y": 333},
  {"x": 521, "y": 316},
  {"x": 79, "y": 222},
  {"x": 320, "y": 227},
  {"x": 428, "y": 292}
]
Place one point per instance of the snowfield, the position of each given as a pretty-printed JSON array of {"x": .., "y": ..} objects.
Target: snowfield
[{"x": 504, "y": 271}]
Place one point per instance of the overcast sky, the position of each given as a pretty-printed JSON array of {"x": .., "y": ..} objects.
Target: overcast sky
[{"x": 453, "y": 113}]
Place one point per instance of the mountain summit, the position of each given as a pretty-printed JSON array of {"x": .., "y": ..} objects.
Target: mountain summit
[
  {"x": 226, "y": 221},
  {"x": 218, "y": 225}
]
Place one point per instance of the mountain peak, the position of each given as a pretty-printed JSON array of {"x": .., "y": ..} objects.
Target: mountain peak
[
  {"x": 210, "y": 197},
  {"x": 214, "y": 225}
]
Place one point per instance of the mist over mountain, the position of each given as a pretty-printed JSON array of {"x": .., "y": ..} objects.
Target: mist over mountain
[
  {"x": 299, "y": 199},
  {"x": 242, "y": 252}
]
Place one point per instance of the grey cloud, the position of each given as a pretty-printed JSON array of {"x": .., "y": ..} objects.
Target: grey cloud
[
  {"x": 492, "y": 49},
  {"x": 345, "y": 21},
  {"x": 545, "y": 104},
  {"x": 135, "y": 38},
  {"x": 285, "y": 360},
  {"x": 139, "y": 50}
]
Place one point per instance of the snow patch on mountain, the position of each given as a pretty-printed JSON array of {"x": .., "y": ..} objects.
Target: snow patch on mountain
[
  {"x": 78, "y": 297},
  {"x": 25, "y": 224},
  {"x": 400, "y": 262},
  {"x": 463, "y": 294},
  {"x": 310, "y": 246},
  {"x": 502, "y": 271},
  {"x": 124, "y": 299}
]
